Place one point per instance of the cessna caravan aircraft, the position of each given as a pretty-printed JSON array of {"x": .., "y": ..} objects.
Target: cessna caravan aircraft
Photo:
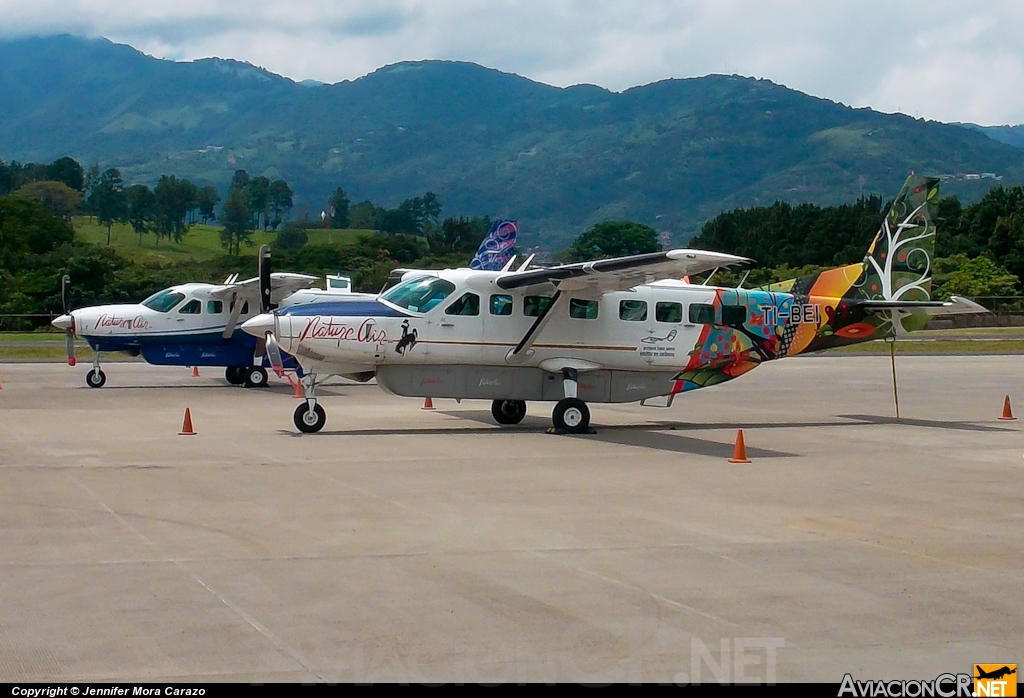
[
  {"x": 185, "y": 325},
  {"x": 609, "y": 331},
  {"x": 199, "y": 324}
]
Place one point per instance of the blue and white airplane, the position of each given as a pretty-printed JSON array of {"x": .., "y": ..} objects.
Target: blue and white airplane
[{"x": 191, "y": 324}]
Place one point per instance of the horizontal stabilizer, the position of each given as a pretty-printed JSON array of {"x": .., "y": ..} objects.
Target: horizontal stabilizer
[{"x": 956, "y": 305}]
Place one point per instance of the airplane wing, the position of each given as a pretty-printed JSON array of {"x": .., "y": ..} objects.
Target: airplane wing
[
  {"x": 282, "y": 285},
  {"x": 620, "y": 273}
]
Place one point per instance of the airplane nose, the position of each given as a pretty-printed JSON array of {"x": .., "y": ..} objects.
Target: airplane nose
[
  {"x": 64, "y": 322},
  {"x": 259, "y": 325}
]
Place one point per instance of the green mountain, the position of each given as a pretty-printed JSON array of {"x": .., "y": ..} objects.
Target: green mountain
[
  {"x": 671, "y": 154},
  {"x": 1011, "y": 135}
]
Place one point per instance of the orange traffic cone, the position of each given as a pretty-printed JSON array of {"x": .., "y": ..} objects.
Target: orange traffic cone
[
  {"x": 298, "y": 390},
  {"x": 195, "y": 371},
  {"x": 186, "y": 427},
  {"x": 1007, "y": 414},
  {"x": 1, "y": 383},
  {"x": 739, "y": 453},
  {"x": 428, "y": 404}
]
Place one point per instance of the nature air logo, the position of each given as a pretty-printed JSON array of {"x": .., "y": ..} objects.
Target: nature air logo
[{"x": 995, "y": 680}]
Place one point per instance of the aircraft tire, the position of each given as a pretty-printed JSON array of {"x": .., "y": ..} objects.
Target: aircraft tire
[
  {"x": 571, "y": 415},
  {"x": 95, "y": 379},
  {"x": 307, "y": 421},
  {"x": 235, "y": 375},
  {"x": 508, "y": 411},
  {"x": 255, "y": 377}
]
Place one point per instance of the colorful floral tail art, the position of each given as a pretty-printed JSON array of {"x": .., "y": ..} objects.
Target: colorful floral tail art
[{"x": 847, "y": 305}]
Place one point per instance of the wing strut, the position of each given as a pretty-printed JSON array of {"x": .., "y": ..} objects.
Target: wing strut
[
  {"x": 236, "y": 310},
  {"x": 530, "y": 337}
]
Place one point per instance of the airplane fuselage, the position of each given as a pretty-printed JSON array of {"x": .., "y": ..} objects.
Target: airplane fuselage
[{"x": 653, "y": 340}]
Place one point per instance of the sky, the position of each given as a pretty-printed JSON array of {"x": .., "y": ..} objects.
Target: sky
[{"x": 946, "y": 60}]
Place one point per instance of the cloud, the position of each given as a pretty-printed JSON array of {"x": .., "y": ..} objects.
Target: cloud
[{"x": 939, "y": 59}]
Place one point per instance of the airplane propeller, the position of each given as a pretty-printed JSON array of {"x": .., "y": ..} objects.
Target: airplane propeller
[
  {"x": 263, "y": 345},
  {"x": 69, "y": 333}
]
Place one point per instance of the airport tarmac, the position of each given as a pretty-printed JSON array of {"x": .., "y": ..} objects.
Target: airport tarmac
[{"x": 434, "y": 546}]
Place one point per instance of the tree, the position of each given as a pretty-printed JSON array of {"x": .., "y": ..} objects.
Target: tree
[
  {"x": 614, "y": 239},
  {"x": 338, "y": 206},
  {"x": 68, "y": 171},
  {"x": 291, "y": 238},
  {"x": 457, "y": 235},
  {"x": 258, "y": 190},
  {"x": 207, "y": 199},
  {"x": 174, "y": 198},
  {"x": 280, "y": 201},
  {"x": 142, "y": 210},
  {"x": 364, "y": 216},
  {"x": 975, "y": 278},
  {"x": 56, "y": 197},
  {"x": 106, "y": 199},
  {"x": 240, "y": 180},
  {"x": 237, "y": 221},
  {"x": 6, "y": 179}
]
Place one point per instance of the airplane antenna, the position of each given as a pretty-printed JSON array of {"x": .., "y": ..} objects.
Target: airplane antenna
[
  {"x": 743, "y": 280},
  {"x": 509, "y": 263},
  {"x": 525, "y": 264},
  {"x": 713, "y": 272}
]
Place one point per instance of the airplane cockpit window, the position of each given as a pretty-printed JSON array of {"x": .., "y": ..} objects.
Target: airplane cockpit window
[
  {"x": 214, "y": 307},
  {"x": 193, "y": 307},
  {"x": 163, "y": 301},
  {"x": 420, "y": 294},
  {"x": 702, "y": 314},
  {"x": 469, "y": 304},
  {"x": 633, "y": 311},
  {"x": 501, "y": 304},
  {"x": 533, "y": 306},
  {"x": 668, "y": 312},
  {"x": 582, "y": 310}
]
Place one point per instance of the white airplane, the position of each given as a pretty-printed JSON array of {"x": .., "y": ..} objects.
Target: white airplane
[
  {"x": 190, "y": 324},
  {"x": 199, "y": 324},
  {"x": 609, "y": 331}
]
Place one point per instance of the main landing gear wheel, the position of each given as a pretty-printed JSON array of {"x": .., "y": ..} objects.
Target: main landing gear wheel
[
  {"x": 309, "y": 421},
  {"x": 95, "y": 378},
  {"x": 255, "y": 377},
  {"x": 235, "y": 375},
  {"x": 508, "y": 411},
  {"x": 571, "y": 415}
]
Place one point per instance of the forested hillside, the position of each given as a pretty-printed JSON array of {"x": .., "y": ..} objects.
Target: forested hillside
[{"x": 671, "y": 155}]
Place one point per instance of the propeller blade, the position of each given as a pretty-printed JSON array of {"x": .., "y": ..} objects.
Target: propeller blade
[
  {"x": 264, "y": 267},
  {"x": 69, "y": 336},
  {"x": 274, "y": 354},
  {"x": 65, "y": 293}
]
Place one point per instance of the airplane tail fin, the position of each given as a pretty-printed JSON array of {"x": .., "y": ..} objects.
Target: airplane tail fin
[
  {"x": 497, "y": 248},
  {"x": 898, "y": 264},
  {"x": 889, "y": 293}
]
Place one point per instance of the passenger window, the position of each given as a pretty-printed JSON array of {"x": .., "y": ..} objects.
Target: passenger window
[
  {"x": 214, "y": 307},
  {"x": 633, "y": 311},
  {"x": 702, "y": 314},
  {"x": 245, "y": 308},
  {"x": 668, "y": 312},
  {"x": 193, "y": 307},
  {"x": 501, "y": 305},
  {"x": 469, "y": 304},
  {"x": 533, "y": 306},
  {"x": 582, "y": 310},
  {"x": 734, "y": 315}
]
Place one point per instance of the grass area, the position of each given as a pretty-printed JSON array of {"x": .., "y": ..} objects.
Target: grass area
[
  {"x": 201, "y": 242},
  {"x": 33, "y": 337},
  {"x": 43, "y": 352},
  {"x": 933, "y": 347}
]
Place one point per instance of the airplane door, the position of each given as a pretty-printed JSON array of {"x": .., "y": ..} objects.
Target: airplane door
[{"x": 461, "y": 326}]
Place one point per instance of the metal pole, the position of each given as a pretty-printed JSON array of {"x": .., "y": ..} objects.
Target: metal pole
[{"x": 895, "y": 392}]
